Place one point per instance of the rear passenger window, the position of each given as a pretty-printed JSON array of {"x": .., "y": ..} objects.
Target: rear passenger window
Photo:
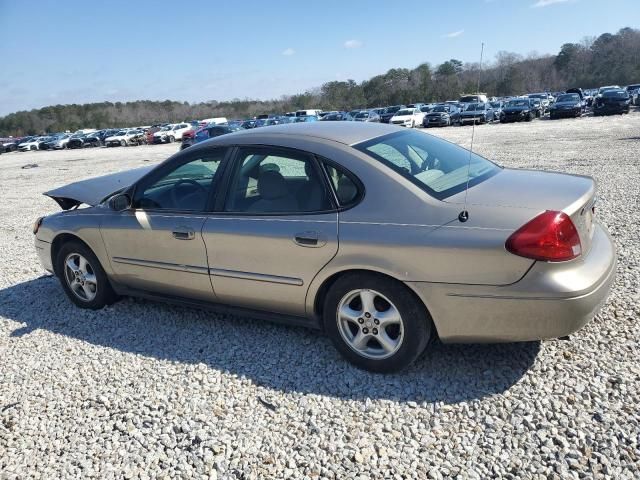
[
  {"x": 346, "y": 189},
  {"x": 277, "y": 182}
]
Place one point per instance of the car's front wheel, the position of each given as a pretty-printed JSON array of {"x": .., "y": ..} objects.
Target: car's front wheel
[
  {"x": 82, "y": 277},
  {"x": 375, "y": 322}
]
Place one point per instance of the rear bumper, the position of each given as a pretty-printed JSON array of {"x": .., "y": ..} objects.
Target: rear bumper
[{"x": 552, "y": 300}]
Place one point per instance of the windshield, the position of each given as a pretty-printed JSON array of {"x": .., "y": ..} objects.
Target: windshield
[
  {"x": 571, "y": 97},
  {"x": 614, "y": 93},
  {"x": 475, "y": 106},
  {"x": 404, "y": 112},
  {"x": 435, "y": 165},
  {"x": 536, "y": 95},
  {"x": 362, "y": 115},
  {"x": 518, "y": 103},
  {"x": 495, "y": 104},
  {"x": 440, "y": 108},
  {"x": 392, "y": 109}
]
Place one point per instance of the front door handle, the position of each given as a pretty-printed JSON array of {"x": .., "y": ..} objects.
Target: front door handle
[
  {"x": 309, "y": 239},
  {"x": 183, "y": 233}
]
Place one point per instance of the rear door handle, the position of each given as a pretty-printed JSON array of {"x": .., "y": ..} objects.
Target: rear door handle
[
  {"x": 183, "y": 233},
  {"x": 309, "y": 239}
]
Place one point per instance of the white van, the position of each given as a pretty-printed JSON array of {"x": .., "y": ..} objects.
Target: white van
[
  {"x": 304, "y": 113},
  {"x": 476, "y": 98},
  {"x": 215, "y": 121}
]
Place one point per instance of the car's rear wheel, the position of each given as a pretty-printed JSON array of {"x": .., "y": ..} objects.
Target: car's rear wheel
[
  {"x": 375, "y": 322},
  {"x": 123, "y": 143},
  {"x": 82, "y": 277},
  {"x": 172, "y": 139}
]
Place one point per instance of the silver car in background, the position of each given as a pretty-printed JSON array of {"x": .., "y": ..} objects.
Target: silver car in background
[{"x": 366, "y": 231}]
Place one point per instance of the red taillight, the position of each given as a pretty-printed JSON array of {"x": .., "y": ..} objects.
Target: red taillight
[{"x": 551, "y": 236}]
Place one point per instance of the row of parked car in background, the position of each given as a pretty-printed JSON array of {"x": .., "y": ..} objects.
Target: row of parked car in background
[{"x": 467, "y": 110}]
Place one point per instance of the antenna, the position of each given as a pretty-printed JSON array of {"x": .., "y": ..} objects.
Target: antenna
[{"x": 464, "y": 214}]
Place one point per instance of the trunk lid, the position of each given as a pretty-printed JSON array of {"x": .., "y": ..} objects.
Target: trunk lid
[{"x": 538, "y": 191}]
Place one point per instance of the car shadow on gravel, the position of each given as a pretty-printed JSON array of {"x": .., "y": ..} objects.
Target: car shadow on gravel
[{"x": 286, "y": 359}]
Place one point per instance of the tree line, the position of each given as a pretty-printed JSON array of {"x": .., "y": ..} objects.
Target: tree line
[{"x": 592, "y": 62}]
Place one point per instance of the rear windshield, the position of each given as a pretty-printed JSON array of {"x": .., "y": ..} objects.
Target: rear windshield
[{"x": 438, "y": 167}]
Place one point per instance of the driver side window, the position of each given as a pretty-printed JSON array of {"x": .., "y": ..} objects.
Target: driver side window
[{"x": 187, "y": 187}]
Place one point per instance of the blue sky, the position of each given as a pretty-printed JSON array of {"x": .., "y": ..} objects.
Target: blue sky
[{"x": 84, "y": 51}]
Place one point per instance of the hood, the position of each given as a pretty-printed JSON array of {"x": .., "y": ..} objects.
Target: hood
[
  {"x": 515, "y": 109},
  {"x": 572, "y": 103},
  {"x": 95, "y": 190}
]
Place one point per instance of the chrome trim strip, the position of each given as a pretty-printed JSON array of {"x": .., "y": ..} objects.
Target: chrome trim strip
[
  {"x": 390, "y": 224},
  {"x": 258, "y": 277},
  {"x": 162, "y": 265},
  {"x": 271, "y": 219}
]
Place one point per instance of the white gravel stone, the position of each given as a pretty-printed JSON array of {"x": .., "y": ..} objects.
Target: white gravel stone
[{"x": 146, "y": 390}]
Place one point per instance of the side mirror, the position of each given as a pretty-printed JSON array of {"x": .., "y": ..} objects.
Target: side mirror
[{"x": 120, "y": 202}]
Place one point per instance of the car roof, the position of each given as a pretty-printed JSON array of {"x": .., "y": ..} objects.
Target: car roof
[{"x": 348, "y": 133}]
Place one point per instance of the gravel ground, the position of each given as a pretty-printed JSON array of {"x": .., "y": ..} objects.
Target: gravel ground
[{"x": 144, "y": 390}]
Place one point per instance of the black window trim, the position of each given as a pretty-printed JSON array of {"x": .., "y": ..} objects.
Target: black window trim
[
  {"x": 353, "y": 177},
  {"x": 362, "y": 147},
  {"x": 235, "y": 163},
  {"x": 176, "y": 162}
]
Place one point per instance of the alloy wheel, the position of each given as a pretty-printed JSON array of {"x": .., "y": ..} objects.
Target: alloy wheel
[
  {"x": 81, "y": 277},
  {"x": 370, "y": 324}
]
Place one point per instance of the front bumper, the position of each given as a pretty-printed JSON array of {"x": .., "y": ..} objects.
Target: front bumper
[
  {"x": 401, "y": 123},
  {"x": 436, "y": 121},
  {"x": 472, "y": 119},
  {"x": 512, "y": 117},
  {"x": 565, "y": 112},
  {"x": 552, "y": 300},
  {"x": 43, "y": 249},
  {"x": 609, "y": 108}
]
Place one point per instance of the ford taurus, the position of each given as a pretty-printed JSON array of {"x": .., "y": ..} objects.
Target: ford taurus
[{"x": 383, "y": 237}]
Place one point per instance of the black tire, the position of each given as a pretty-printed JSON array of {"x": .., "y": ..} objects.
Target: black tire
[
  {"x": 123, "y": 143},
  {"x": 104, "y": 294},
  {"x": 417, "y": 324},
  {"x": 172, "y": 139}
]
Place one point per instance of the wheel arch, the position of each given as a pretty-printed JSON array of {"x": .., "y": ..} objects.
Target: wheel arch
[
  {"x": 319, "y": 294},
  {"x": 59, "y": 241}
]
